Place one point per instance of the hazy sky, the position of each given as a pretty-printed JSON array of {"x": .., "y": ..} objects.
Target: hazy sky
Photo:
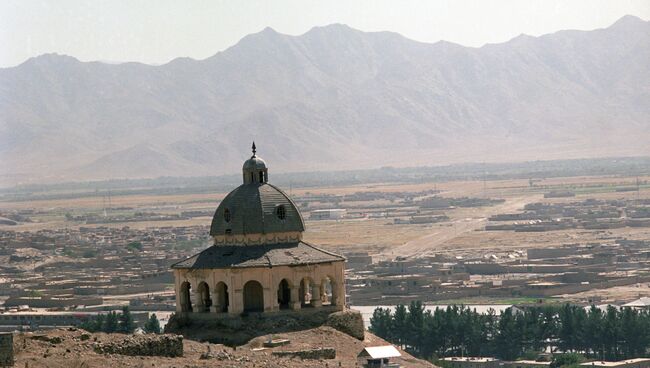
[{"x": 157, "y": 31}]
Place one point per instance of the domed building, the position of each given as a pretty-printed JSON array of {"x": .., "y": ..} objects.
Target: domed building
[{"x": 259, "y": 262}]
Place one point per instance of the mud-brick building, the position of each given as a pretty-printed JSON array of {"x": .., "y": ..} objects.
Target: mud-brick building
[{"x": 259, "y": 262}]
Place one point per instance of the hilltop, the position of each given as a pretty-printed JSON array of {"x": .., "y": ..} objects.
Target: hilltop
[{"x": 68, "y": 349}]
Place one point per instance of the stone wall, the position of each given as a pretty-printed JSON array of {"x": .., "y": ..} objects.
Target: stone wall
[
  {"x": 347, "y": 321},
  {"x": 144, "y": 345},
  {"x": 238, "y": 330}
]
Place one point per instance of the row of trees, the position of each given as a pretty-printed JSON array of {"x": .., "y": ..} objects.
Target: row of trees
[
  {"x": 113, "y": 322},
  {"x": 457, "y": 330}
]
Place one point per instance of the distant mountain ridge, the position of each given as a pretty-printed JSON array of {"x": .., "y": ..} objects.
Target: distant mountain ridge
[{"x": 332, "y": 98}]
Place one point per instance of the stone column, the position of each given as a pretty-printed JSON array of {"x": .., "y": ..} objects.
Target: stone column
[
  {"x": 177, "y": 291},
  {"x": 340, "y": 296},
  {"x": 270, "y": 299},
  {"x": 236, "y": 302},
  {"x": 294, "y": 302},
  {"x": 315, "y": 296}
]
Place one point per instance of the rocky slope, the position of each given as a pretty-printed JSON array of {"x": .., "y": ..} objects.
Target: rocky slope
[
  {"x": 334, "y": 97},
  {"x": 71, "y": 349}
]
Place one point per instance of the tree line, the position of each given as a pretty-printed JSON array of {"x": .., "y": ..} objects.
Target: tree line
[
  {"x": 112, "y": 322},
  {"x": 611, "y": 334}
]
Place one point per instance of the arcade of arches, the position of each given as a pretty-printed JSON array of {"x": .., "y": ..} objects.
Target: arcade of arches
[
  {"x": 237, "y": 290},
  {"x": 259, "y": 262}
]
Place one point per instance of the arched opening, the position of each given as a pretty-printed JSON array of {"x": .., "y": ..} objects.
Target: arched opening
[
  {"x": 186, "y": 301},
  {"x": 221, "y": 293},
  {"x": 204, "y": 302},
  {"x": 284, "y": 294},
  {"x": 253, "y": 297},
  {"x": 261, "y": 177},
  {"x": 327, "y": 291},
  {"x": 305, "y": 291}
]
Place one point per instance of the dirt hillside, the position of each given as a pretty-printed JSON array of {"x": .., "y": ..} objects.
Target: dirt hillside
[{"x": 76, "y": 349}]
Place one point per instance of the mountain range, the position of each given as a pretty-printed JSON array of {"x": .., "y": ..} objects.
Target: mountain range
[{"x": 332, "y": 98}]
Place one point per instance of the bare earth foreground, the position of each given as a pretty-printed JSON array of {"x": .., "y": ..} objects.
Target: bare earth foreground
[{"x": 74, "y": 351}]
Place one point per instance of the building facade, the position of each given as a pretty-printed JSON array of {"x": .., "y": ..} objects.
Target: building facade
[{"x": 258, "y": 262}]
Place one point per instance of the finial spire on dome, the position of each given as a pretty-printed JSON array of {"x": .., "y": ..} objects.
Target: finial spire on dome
[{"x": 254, "y": 169}]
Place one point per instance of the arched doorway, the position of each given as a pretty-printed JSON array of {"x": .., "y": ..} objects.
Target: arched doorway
[
  {"x": 284, "y": 294},
  {"x": 204, "y": 302},
  {"x": 221, "y": 294},
  {"x": 253, "y": 297},
  {"x": 327, "y": 291},
  {"x": 186, "y": 301},
  {"x": 305, "y": 291}
]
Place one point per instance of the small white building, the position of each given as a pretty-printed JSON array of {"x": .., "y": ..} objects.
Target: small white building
[{"x": 379, "y": 356}]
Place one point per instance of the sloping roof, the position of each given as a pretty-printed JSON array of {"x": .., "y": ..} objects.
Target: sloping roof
[
  {"x": 380, "y": 352},
  {"x": 268, "y": 255},
  {"x": 642, "y": 302},
  {"x": 253, "y": 209}
]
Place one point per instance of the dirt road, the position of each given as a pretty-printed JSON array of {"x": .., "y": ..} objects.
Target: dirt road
[{"x": 427, "y": 244}]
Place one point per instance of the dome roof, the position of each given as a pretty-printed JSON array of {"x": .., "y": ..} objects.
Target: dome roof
[
  {"x": 254, "y": 163},
  {"x": 256, "y": 208}
]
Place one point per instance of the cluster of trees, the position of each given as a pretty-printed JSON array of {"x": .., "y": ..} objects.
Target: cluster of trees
[
  {"x": 113, "y": 322},
  {"x": 457, "y": 330}
]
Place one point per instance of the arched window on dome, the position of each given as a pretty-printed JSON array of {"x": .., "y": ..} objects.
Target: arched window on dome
[
  {"x": 281, "y": 212},
  {"x": 226, "y": 215},
  {"x": 261, "y": 176}
]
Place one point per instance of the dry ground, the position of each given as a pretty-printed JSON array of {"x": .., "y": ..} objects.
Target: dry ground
[{"x": 72, "y": 352}]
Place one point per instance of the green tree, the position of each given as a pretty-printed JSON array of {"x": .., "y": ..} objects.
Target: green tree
[
  {"x": 381, "y": 322},
  {"x": 135, "y": 245},
  {"x": 415, "y": 326},
  {"x": 126, "y": 324},
  {"x": 594, "y": 333},
  {"x": 508, "y": 340},
  {"x": 611, "y": 334},
  {"x": 488, "y": 331},
  {"x": 400, "y": 328},
  {"x": 111, "y": 323},
  {"x": 632, "y": 333},
  {"x": 152, "y": 325}
]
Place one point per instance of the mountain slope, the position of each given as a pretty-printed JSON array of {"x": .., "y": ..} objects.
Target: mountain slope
[{"x": 334, "y": 97}]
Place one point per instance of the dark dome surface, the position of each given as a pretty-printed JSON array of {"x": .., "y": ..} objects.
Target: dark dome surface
[
  {"x": 254, "y": 163},
  {"x": 256, "y": 208}
]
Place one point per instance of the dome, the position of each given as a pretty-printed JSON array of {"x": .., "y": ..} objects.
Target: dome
[
  {"x": 256, "y": 208},
  {"x": 254, "y": 163},
  {"x": 254, "y": 169}
]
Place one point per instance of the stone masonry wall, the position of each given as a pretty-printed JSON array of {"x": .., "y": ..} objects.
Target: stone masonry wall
[{"x": 144, "y": 345}]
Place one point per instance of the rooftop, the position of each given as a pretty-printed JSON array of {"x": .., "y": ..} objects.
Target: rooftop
[
  {"x": 267, "y": 255},
  {"x": 380, "y": 352}
]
